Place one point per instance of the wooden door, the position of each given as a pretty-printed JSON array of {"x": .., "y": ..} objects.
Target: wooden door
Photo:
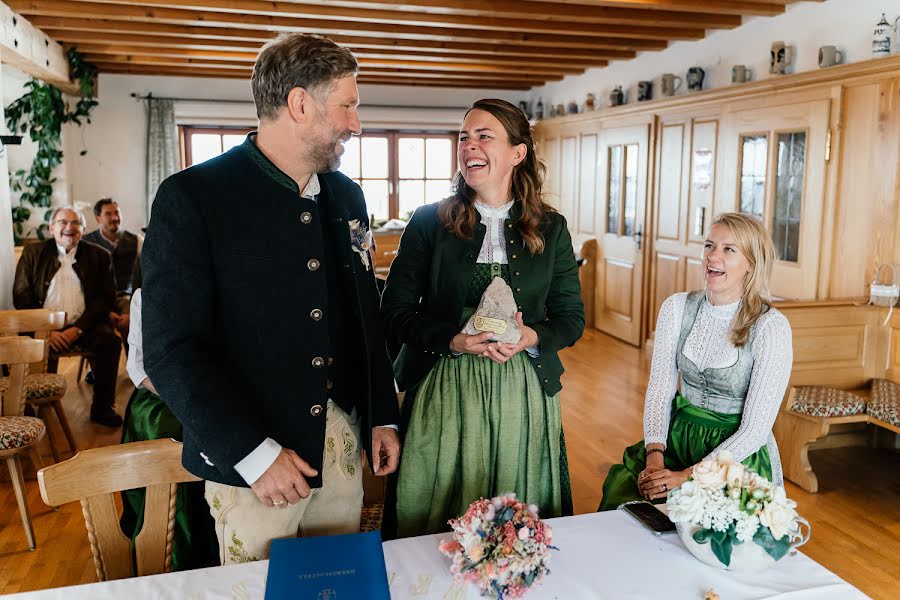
[
  {"x": 622, "y": 194},
  {"x": 774, "y": 161}
]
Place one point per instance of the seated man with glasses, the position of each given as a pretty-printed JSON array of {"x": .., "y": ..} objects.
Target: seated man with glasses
[{"x": 62, "y": 274}]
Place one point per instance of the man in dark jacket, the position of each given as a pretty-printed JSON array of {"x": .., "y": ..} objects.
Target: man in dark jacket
[
  {"x": 265, "y": 342},
  {"x": 63, "y": 274}
]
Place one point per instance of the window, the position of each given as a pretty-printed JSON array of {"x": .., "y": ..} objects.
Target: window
[
  {"x": 621, "y": 186},
  {"x": 791, "y": 159},
  {"x": 399, "y": 172},
  {"x": 200, "y": 144},
  {"x": 754, "y": 155}
]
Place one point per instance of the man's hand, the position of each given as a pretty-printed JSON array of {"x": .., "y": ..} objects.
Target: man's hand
[
  {"x": 283, "y": 482},
  {"x": 500, "y": 353},
  {"x": 61, "y": 341},
  {"x": 385, "y": 450}
]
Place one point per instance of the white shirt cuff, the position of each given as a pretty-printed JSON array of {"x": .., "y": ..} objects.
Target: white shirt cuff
[
  {"x": 394, "y": 427},
  {"x": 252, "y": 466}
]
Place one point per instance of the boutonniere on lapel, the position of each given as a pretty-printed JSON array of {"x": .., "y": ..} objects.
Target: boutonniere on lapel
[{"x": 360, "y": 240}]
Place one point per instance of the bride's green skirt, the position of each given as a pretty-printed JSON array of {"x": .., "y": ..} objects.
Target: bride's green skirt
[
  {"x": 694, "y": 433},
  {"x": 480, "y": 429}
]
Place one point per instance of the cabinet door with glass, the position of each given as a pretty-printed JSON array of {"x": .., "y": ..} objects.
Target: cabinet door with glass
[
  {"x": 774, "y": 169},
  {"x": 622, "y": 193}
]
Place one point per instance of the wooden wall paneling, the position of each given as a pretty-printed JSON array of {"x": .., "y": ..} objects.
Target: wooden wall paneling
[
  {"x": 702, "y": 179},
  {"x": 857, "y": 211},
  {"x": 548, "y": 150},
  {"x": 587, "y": 193},
  {"x": 668, "y": 184},
  {"x": 669, "y": 280},
  {"x": 694, "y": 278},
  {"x": 568, "y": 185}
]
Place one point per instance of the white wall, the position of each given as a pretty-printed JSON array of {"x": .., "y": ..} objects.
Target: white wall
[
  {"x": 114, "y": 165},
  {"x": 846, "y": 24}
]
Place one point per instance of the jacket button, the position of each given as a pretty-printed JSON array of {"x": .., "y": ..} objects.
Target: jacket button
[
  {"x": 516, "y": 273},
  {"x": 539, "y": 366},
  {"x": 518, "y": 290},
  {"x": 512, "y": 241},
  {"x": 316, "y": 314},
  {"x": 546, "y": 381},
  {"x": 313, "y": 264},
  {"x": 318, "y": 362},
  {"x": 513, "y": 256},
  {"x": 315, "y": 410},
  {"x": 510, "y": 225},
  {"x": 330, "y": 361},
  {"x": 306, "y": 218},
  {"x": 328, "y": 384}
]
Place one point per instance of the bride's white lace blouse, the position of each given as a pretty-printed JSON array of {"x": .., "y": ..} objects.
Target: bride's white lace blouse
[{"x": 708, "y": 345}]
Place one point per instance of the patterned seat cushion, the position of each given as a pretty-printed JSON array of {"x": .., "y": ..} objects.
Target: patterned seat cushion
[
  {"x": 19, "y": 432},
  {"x": 820, "y": 401},
  {"x": 39, "y": 386},
  {"x": 885, "y": 402}
]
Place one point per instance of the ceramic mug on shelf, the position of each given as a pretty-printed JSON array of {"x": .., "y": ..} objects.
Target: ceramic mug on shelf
[
  {"x": 829, "y": 56},
  {"x": 694, "y": 78},
  {"x": 670, "y": 84},
  {"x": 740, "y": 74},
  {"x": 645, "y": 90}
]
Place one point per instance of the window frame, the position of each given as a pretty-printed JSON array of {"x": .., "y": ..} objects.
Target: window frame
[
  {"x": 186, "y": 131},
  {"x": 393, "y": 178}
]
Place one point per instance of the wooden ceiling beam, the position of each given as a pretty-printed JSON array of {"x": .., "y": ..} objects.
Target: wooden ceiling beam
[
  {"x": 504, "y": 14},
  {"x": 124, "y": 69},
  {"x": 406, "y": 58},
  {"x": 411, "y": 72},
  {"x": 68, "y": 8},
  {"x": 63, "y": 29},
  {"x": 285, "y": 13},
  {"x": 724, "y": 7}
]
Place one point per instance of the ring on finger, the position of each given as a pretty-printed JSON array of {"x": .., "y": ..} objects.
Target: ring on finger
[
  {"x": 278, "y": 502},
  {"x": 665, "y": 487}
]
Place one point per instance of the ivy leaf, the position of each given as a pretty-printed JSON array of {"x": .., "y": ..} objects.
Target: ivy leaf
[
  {"x": 774, "y": 548},
  {"x": 722, "y": 549}
]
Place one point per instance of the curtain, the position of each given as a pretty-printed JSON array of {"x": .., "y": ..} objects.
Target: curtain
[{"x": 162, "y": 145}]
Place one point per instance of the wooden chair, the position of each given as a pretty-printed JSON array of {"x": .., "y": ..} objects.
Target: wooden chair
[
  {"x": 19, "y": 434},
  {"x": 44, "y": 391},
  {"x": 95, "y": 476}
]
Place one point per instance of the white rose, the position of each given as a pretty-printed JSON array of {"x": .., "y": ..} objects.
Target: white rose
[
  {"x": 686, "y": 504},
  {"x": 710, "y": 475},
  {"x": 779, "y": 514},
  {"x": 734, "y": 475}
]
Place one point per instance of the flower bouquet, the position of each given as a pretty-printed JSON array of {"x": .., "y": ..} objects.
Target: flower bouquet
[
  {"x": 501, "y": 546},
  {"x": 747, "y": 522}
]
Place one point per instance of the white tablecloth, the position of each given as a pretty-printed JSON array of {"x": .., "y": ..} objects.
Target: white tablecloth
[{"x": 601, "y": 555}]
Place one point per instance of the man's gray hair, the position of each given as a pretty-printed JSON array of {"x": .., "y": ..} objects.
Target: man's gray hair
[
  {"x": 293, "y": 60},
  {"x": 57, "y": 210}
]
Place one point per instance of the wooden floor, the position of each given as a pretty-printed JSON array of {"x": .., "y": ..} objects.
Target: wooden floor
[{"x": 855, "y": 517}]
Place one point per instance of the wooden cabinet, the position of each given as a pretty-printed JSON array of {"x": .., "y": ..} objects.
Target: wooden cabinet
[{"x": 816, "y": 156}]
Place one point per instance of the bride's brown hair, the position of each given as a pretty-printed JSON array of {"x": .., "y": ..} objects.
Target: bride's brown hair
[{"x": 458, "y": 214}]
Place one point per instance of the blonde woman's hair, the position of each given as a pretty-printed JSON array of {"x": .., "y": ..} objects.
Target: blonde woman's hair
[{"x": 755, "y": 243}]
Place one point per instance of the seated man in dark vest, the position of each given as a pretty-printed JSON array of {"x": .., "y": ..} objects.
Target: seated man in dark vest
[
  {"x": 63, "y": 274},
  {"x": 125, "y": 248}
]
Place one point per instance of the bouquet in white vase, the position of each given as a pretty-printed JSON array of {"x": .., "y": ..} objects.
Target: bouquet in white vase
[{"x": 726, "y": 506}]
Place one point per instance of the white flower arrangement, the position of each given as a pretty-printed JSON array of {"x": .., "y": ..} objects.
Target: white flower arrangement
[{"x": 731, "y": 505}]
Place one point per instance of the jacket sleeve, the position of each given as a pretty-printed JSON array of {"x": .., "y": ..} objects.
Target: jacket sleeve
[
  {"x": 178, "y": 313},
  {"x": 565, "y": 311},
  {"x": 100, "y": 300},
  {"x": 407, "y": 285},
  {"x": 24, "y": 296}
]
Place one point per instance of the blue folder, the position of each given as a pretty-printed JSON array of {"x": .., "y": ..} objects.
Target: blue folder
[{"x": 337, "y": 567}]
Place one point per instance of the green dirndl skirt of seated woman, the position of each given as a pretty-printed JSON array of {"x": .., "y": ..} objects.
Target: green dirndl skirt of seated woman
[
  {"x": 694, "y": 432},
  {"x": 478, "y": 429},
  {"x": 194, "y": 544}
]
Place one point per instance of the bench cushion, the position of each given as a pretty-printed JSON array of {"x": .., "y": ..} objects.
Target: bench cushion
[
  {"x": 818, "y": 401},
  {"x": 885, "y": 402}
]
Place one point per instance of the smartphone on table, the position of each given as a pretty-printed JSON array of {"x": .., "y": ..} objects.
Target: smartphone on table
[{"x": 649, "y": 516}]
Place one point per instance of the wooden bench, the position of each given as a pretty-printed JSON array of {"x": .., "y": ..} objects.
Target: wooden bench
[{"x": 839, "y": 345}]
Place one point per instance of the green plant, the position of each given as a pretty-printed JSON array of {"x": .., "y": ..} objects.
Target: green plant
[{"x": 42, "y": 111}]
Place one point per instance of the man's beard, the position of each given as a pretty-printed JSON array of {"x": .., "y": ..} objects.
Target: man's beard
[{"x": 324, "y": 157}]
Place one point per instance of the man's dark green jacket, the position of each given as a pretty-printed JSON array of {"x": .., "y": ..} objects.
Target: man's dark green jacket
[{"x": 424, "y": 300}]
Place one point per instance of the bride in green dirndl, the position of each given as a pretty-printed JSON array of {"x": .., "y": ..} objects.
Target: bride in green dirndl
[
  {"x": 482, "y": 418},
  {"x": 733, "y": 353}
]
